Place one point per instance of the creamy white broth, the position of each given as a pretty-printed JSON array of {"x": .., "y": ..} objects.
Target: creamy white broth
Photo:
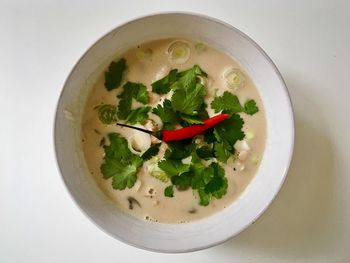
[{"x": 149, "y": 191}]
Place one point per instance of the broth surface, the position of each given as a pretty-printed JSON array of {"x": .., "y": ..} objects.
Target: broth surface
[{"x": 149, "y": 191}]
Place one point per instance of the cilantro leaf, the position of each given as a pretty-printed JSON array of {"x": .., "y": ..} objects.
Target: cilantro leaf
[
  {"x": 228, "y": 103},
  {"x": 221, "y": 152},
  {"x": 182, "y": 181},
  {"x": 230, "y": 130},
  {"x": 204, "y": 197},
  {"x": 209, "y": 136},
  {"x": 250, "y": 107},
  {"x": 218, "y": 185},
  {"x": 189, "y": 93},
  {"x": 203, "y": 113},
  {"x": 169, "y": 191},
  {"x": 131, "y": 91},
  {"x": 120, "y": 163},
  {"x": 126, "y": 177},
  {"x": 202, "y": 175},
  {"x": 113, "y": 76},
  {"x": 166, "y": 114},
  {"x": 205, "y": 152},
  {"x": 179, "y": 149},
  {"x": 139, "y": 115},
  {"x": 189, "y": 120},
  {"x": 162, "y": 86},
  {"x": 188, "y": 78},
  {"x": 210, "y": 182},
  {"x": 152, "y": 151},
  {"x": 188, "y": 100},
  {"x": 173, "y": 167}
]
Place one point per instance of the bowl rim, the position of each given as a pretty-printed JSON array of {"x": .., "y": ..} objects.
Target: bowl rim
[{"x": 289, "y": 106}]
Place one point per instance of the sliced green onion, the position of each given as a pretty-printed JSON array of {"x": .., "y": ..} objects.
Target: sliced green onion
[
  {"x": 143, "y": 53},
  {"x": 255, "y": 159},
  {"x": 155, "y": 171},
  {"x": 249, "y": 135},
  {"x": 234, "y": 78},
  {"x": 200, "y": 47},
  {"x": 107, "y": 114},
  {"x": 179, "y": 52}
]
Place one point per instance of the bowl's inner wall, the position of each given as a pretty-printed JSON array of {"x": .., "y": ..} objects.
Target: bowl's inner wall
[{"x": 166, "y": 237}]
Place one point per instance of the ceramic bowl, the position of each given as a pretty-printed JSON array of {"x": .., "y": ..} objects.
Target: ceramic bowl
[{"x": 214, "y": 229}]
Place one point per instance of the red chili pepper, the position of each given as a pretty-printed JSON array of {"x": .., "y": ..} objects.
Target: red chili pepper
[
  {"x": 183, "y": 133},
  {"x": 193, "y": 130}
]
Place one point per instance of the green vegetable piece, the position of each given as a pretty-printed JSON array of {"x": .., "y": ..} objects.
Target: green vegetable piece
[
  {"x": 139, "y": 115},
  {"x": 209, "y": 136},
  {"x": 162, "y": 86},
  {"x": 189, "y": 120},
  {"x": 235, "y": 78},
  {"x": 227, "y": 133},
  {"x": 120, "y": 163},
  {"x": 114, "y": 74},
  {"x": 166, "y": 114},
  {"x": 222, "y": 153},
  {"x": 205, "y": 152},
  {"x": 107, "y": 114},
  {"x": 228, "y": 103},
  {"x": 183, "y": 181},
  {"x": 169, "y": 191},
  {"x": 144, "y": 53},
  {"x": 173, "y": 167},
  {"x": 189, "y": 100},
  {"x": 131, "y": 91},
  {"x": 159, "y": 174},
  {"x": 179, "y": 150},
  {"x": 188, "y": 94},
  {"x": 200, "y": 47},
  {"x": 250, "y": 107},
  {"x": 188, "y": 78},
  {"x": 204, "y": 197},
  {"x": 179, "y": 52},
  {"x": 210, "y": 182},
  {"x": 152, "y": 151}
]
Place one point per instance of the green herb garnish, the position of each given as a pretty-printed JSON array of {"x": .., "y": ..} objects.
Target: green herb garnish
[
  {"x": 114, "y": 74},
  {"x": 120, "y": 163},
  {"x": 229, "y": 103},
  {"x": 152, "y": 151},
  {"x": 250, "y": 107},
  {"x": 132, "y": 91},
  {"x": 166, "y": 114},
  {"x": 169, "y": 191},
  {"x": 173, "y": 167},
  {"x": 162, "y": 86},
  {"x": 107, "y": 114}
]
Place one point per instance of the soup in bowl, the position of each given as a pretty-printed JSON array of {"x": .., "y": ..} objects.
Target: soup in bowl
[{"x": 174, "y": 132}]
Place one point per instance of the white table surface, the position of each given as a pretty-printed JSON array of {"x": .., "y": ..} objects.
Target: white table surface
[{"x": 40, "y": 41}]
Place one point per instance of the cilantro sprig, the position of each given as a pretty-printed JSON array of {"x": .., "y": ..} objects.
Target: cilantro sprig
[
  {"x": 132, "y": 91},
  {"x": 229, "y": 103},
  {"x": 120, "y": 163},
  {"x": 114, "y": 74},
  {"x": 187, "y": 105}
]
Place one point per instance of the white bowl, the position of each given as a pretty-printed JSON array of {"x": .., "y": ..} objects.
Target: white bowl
[{"x": 206, "y": 232}]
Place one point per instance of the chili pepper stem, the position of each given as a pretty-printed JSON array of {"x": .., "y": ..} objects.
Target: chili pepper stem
[{"x": 156, "y": 134}]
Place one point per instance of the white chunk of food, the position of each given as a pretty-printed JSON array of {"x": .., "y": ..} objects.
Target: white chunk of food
[{"x": 139, "y": 142}]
